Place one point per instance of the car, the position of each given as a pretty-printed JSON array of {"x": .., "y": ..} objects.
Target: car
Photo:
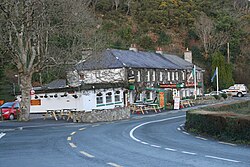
[
  {"x": 10, "y": 109},
  {"x": 212, "y": 93},
  {"x": 236, "y": 90}
]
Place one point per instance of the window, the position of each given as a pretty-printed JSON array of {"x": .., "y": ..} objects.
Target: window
[
  {"x": 176, "y": 76},
  {"x": 117, "y": 96},
  {"x": 148, "y": 95},
  {"x": 161, "y": 76},
  {"x": 138, "y": 76},
  {"x": 153, "y": 76},
  {"x": 172, "y": 76},
  {"x": 183, "y": 75},
  {"x": 99, "y": 98},
  {"x": 109, "y": 97},
  {"x": 168, "y": 76},
  {"x": 148, "y": 76}
]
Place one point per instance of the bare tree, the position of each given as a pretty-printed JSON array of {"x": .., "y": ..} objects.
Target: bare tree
[
  {"x": 211, "y": 39},
  {"x": 128, "y": 2},
  {"x": 242, "y": 5},
  {"x": 28, "y": 30}
]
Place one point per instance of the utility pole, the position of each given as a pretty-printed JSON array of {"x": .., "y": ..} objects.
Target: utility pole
[{"x": 228, "y": 58}]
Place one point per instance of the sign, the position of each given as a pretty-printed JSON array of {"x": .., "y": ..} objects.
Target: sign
[
  {"x": 131, "y": 87},
  {"x": 190, "y": 84},
  {"x": 168, "y": 85},
  {"x": 177, "y": 103},
  {"x": 36, "y": 102},
  {"x": 32, "y": 92},
  {"x": 161, "y": 99},
  {"x": 1, "y": 102}
]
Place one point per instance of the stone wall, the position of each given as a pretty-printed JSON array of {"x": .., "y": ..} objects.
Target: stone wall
[{"x": 105, "y": 115}]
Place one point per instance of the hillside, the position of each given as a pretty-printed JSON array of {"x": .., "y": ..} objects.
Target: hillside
[{"x": 208, "y": 28}]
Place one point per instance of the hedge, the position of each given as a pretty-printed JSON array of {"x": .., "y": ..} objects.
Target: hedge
[{"x": 226, "y": 126}]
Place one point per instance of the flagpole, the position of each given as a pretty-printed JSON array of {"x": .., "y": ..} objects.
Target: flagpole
[
  {"x": 195, "y": 88},
  {"x": 217, "y": 80}
]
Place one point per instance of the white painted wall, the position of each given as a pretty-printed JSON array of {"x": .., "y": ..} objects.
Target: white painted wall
[{"x": 86, "y": 101}]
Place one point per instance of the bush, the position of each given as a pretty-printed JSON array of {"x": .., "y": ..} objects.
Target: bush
[
  {"x": 227, "y": 126},
  {"x": 224, "y": 95},
  {"x": 217, "y": 97}
]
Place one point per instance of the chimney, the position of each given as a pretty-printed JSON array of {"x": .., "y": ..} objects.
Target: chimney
[
  {"x": 133, "y": 48},
  {"x": 188, "y": 56},
  {"x": 159, "y": 50}
]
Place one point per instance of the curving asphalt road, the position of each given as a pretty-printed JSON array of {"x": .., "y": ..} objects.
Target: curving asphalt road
[{"x": 144, "y": 141}]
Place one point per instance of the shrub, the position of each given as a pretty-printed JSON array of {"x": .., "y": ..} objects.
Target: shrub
[
  {"x": 224, "y": 95},
  {"x": 227, "y": 126},
  {"x": 217, "y": 97}
]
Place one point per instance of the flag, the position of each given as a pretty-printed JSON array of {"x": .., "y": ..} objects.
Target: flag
[
  {"x": 215, "y": 73},
  {"x": 192, "y": 74}
]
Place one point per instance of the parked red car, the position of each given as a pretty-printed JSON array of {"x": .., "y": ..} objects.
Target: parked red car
[{"x": 10, "y": 109}]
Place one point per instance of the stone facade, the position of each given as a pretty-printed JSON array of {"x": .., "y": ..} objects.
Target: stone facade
[{"x": 105, "y": 115}]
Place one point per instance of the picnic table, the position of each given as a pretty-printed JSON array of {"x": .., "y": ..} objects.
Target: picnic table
[
  {"x": 60, "y": 113},
  {"x": 145, "y": 107}
]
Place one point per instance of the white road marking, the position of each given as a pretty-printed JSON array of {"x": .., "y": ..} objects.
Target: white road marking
[
  {"x": 87, "y": 154},
  {"x": 170, "y": 149},
  {"x": 182, "y": 125},
  {"x": 178, "y": 128},
  {"x": 131, "y": 133},
  {"x": 144, "y": 143},
  {"x": 69, "y": 138},
  {"x": 82, "y": 129},
  {"x": 223, "y": 159},
  {"x": 155, "y": 146},
  {"x": 190, "y": 153},
  {"x": 73, "y": 133},
  {"x": 72, "y": 145},
  {"x": 200, "y": 138},
  {"x": 186, "y": 133},
  {"x": 2, "y": 135},
  {"x": 227, "y": 143},
  {"x": 96, "y": 125},
  {"x": 113, "y": 164}
]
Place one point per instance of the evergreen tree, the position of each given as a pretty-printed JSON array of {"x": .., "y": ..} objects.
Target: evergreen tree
[{"x": 225, "y": 71}]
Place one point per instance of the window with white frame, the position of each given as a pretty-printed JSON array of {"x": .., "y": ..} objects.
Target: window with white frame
[
  {"x": 117, "y": 96},
  {"x": 172, "y": 76},
  {"x": 169, "y": 76},
  {"x": 148, "y": 95},
  {"x": 99, "y": 98},
  {"x": 138, "y": 76},
  {"x": 153, "y": 76},
  {"x": 139, "y": 97},
  {"x": 148, "y": 76},
  {"x": 176, "y": 76},
  {"x": 183, "y": 75},
  {"x": 108, "y": 97},
  {"x": 161, "y": 76},
  {"x": 198, "y": 75}
]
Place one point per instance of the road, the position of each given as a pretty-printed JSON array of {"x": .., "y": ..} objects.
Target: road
[{"x": 143, "y": 141}]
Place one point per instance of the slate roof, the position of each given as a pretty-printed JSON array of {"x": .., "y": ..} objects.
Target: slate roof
[
  {"x": 180, "y": 61},
  {"x": 59, "y": 83},
  {"x": 113, "y": 58}
]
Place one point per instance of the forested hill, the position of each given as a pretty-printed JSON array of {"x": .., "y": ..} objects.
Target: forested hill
[
  {"x": 216, "y": 31},
  {"x": 205, "y": 27}
]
